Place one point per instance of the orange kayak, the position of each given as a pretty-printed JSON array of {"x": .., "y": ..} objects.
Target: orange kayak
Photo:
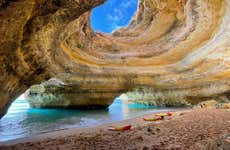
[
  {"x": 154, "y": 118},
  {"x": 120, "y": 128}
]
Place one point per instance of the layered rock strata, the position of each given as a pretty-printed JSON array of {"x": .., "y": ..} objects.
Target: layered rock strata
[{"x": 181, "y": 46}]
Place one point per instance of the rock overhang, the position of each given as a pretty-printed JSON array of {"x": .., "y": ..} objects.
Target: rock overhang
[{"x": 170, "y": 45}]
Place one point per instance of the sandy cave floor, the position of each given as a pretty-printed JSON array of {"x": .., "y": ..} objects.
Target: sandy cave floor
[{"x": 192, "y": 129}]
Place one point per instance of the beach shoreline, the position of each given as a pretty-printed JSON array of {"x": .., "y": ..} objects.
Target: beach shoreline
[{"x": 209, "y": 124}]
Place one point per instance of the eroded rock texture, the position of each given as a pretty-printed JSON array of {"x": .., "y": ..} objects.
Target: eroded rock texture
[{"x": 181, "y": 46}]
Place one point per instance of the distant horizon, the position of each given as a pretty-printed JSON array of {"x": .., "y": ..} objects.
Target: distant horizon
[{"x": 112, "y": 15}]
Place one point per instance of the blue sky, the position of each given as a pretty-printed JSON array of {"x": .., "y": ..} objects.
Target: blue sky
[{"x": 112, "y": 15}]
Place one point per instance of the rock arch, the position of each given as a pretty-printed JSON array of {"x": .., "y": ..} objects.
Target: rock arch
[{"x": 170, "y": 45}]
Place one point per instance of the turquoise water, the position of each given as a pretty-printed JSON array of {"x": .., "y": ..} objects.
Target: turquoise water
[{"x": 23, "y": 121}]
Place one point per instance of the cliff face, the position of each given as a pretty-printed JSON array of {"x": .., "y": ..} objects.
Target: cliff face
[{"x": 171, "y": 45}]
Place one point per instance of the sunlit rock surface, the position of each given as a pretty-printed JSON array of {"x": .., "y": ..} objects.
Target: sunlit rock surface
[
  {"x": 180, "y": 46},
  {"x": 149, "y": 96}
]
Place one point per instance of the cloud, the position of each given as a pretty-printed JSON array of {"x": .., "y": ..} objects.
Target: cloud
[
  {"x": 113, "y": 15},
  {"x": 118, "y": 15},
  {"x": 129, "y": 3}
]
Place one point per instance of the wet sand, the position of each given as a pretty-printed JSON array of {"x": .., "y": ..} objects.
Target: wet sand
[{"x": 191, "y": 129}]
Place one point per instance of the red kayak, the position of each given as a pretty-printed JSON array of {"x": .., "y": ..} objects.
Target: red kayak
[{"x": 120, "y": 128}]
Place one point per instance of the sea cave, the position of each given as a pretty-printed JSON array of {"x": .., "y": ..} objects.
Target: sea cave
[{"x": 115, "y": 74}]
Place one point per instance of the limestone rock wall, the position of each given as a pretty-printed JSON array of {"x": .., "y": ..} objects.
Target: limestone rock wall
[
  {"x": 68, "y": 91},
  {"x": 176, "y": 45}
]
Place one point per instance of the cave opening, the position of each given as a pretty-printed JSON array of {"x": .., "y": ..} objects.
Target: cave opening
[
  {"x": 22, "y": 120},
  {"x": 112, "y": 15}
]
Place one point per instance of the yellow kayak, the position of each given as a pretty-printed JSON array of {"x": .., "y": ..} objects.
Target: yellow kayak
[
  {"x": 153, "y": 118},
  {"x": 164, "y": 114}
]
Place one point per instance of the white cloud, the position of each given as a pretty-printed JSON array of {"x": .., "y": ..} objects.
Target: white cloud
[
  {"x": 127, "y": 4},
  {"x": 118, "y": 15}
]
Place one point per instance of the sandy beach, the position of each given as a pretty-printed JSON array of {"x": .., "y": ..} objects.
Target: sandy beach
[{"x": 191, "y": 129}]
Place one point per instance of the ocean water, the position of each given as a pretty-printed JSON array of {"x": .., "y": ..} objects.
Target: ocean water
[{"x": 23, "y": 121}]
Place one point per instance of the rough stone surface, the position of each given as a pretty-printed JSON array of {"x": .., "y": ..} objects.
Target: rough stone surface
[{"x": 181, "y": 46}]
